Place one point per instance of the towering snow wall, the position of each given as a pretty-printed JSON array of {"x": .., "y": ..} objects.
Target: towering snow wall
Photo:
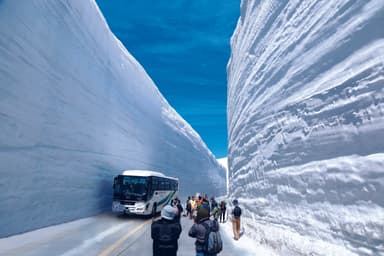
[
  {"x": 75, "y": 110},
  {"x": 306, "y": 124}
]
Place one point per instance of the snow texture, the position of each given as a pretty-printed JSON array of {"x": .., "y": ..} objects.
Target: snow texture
[
  {"x": 306, "y": 125},
  {"x": 224, "y": 162},
  {"x": 75, "y": 110}
]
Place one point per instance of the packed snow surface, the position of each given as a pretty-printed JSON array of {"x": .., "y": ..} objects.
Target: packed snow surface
[
  {"x": 224, "y": 162},
  {"x": 75, "y": 110},
  {"x": 306, "y": 125}
]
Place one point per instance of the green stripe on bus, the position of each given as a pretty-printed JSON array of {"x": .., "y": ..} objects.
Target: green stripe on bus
[{"x": 166, "y": 199}]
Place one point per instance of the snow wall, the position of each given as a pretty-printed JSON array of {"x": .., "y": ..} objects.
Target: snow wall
[
  {"x": 306, "y": 125},
  {"x": 75, "y": 110}
]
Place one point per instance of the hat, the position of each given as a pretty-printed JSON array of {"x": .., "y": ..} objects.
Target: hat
[
  {"x": 205, "y": 204},
  {"x": 168, "y": 212},
  {"x": 202, "y": 213}
]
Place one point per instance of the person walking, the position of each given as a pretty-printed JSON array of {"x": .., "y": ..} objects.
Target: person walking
[
  {"x": 165, "y": 233},
  {"x": 216, "y": 212},
  {"x": 213, "y": 203},
  {"x": 188, "y": 207},
  {"x": 199, "y": 230},
  {"x": 223, "y": 209},
  {"x": 179, "y": 208},
  {"x": 199, "y": 200},
  {"x": 236, "y": 213},
  {"x": 194, "y": 207}
]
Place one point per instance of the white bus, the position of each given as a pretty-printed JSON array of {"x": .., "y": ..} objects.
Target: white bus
[{"x": 142, "y": 192}]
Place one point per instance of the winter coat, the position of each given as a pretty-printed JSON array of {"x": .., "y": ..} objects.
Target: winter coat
[
  {"x": 193, "y": 204},
  {"x": 198, "y": 231},
  {"x": 223, "y": 206},
  {"x": 165, "y": 234},
  {"x": 216, "y": 212},
  {"x": 238, "y": 210},
  {"x": 213, "y": 203},
  {"x": 188, "y": 205},
  {"x": 179, "y": 212}
]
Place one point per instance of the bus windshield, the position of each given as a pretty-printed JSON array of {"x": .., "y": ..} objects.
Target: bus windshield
[{"x": 131, "y": 185}]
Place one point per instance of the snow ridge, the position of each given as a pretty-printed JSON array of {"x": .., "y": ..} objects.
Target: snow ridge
[
  {"x": 306, "y": 124},
  {"x": 75, "y": 110}
]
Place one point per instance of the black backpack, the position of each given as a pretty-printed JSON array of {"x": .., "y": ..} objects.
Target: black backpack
[{"x": 237, "y": 211}]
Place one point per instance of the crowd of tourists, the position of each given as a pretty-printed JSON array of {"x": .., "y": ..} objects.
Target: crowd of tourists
[{"x": 206, "y": 215}]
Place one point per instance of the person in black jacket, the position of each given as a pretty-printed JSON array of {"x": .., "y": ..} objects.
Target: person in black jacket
[
  {"x": 188, "y": 207},
  {"x": 223, "y": 209},
  {"x": 165, "y": 233},
  {"x": 177, "y": 204},
  {"x": 236, "y": 213},
  {"x": 199, "y": 231}
]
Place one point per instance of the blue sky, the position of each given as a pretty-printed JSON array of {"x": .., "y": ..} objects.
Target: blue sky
[{"x": 184, "y": 45}]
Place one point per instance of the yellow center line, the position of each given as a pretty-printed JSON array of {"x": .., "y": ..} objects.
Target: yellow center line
[{"x": 113, "y": 247}]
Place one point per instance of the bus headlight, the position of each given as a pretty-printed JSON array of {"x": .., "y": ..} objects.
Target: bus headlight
[{"x": 140, "y": 205}]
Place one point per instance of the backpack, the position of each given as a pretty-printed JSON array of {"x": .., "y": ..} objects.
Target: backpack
[
  {"x": 237, "y": 211},
  {"x": 213, "y": 243}
]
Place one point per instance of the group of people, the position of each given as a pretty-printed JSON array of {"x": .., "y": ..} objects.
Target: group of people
[
  {"x": 206, "y": 215},
  {"x": 217, "y": 210}
]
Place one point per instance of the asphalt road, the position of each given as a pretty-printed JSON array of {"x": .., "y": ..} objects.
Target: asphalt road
[
  {"x": 141, "y": 243},
  {"x": 101, "y": 235}
]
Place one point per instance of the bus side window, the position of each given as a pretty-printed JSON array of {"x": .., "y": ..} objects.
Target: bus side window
[
  {"x": 164, "y": 184},
  {"x": 155, "y": 183},
  {"x": 167, "y": 185}
]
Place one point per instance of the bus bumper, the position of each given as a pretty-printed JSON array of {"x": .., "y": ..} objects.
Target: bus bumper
[{"x": 119, "y": 208}]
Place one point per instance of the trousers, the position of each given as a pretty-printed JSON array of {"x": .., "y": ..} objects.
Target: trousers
[{"x": 236, "y": 227}]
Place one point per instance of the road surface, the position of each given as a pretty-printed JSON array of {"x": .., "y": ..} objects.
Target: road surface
[{"x": 102, "y": 235}]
